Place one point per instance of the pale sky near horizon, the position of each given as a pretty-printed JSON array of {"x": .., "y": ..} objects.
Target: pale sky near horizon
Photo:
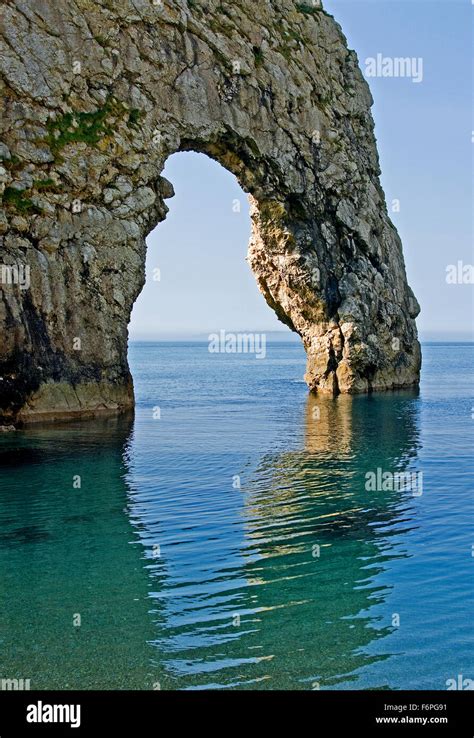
[{"x": 424, "y": 132}]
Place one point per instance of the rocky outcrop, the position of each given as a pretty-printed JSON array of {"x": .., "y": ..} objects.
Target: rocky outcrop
[{"x": 95, "y": 96}]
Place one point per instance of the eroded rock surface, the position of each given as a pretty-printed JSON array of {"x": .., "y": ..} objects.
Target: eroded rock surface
[{"x": 95, "y": 95}]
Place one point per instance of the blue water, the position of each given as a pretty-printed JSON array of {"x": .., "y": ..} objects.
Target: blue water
[{"x": 225, "y": 537}]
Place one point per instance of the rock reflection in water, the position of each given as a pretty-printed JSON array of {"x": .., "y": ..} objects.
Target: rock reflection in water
[{"x": 290, "y": 606}]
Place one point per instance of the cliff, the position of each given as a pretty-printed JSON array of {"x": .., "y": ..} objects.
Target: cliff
[{"x": 95, "y": 96}]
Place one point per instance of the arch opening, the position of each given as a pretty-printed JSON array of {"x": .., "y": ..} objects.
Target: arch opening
[{"x": 198, "y": 280}]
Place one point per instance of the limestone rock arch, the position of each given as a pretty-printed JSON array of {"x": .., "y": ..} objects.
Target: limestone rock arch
[{"x": 95, "y": 96}]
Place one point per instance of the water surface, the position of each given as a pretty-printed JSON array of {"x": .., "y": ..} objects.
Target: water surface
[{"x": 225, "y": 538}]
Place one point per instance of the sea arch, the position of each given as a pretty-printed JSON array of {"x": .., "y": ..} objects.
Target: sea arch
[{"x": 96, "y": 96}]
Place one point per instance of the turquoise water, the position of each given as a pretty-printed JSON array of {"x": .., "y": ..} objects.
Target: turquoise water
[{"x": 228, "y": 539}]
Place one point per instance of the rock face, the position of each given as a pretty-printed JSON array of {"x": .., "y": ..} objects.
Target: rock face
[{"x": 95, "y": 95}]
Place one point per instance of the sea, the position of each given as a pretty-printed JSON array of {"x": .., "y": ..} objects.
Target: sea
[{"x": 238, "y": 532}]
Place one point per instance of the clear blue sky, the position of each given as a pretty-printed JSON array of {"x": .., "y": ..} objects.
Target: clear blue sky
[{"x": 424, "y": 134}]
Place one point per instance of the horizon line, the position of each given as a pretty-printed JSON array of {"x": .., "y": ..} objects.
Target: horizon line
[{"x": 281, "y": 335}]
